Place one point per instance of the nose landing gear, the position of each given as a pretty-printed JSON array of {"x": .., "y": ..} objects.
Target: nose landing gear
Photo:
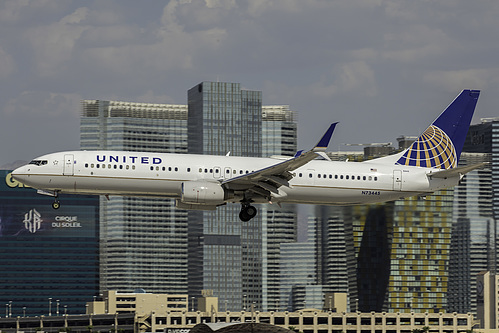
[
  {"x": 247, "y": 212},
  {"x": 56, "y": 204}
]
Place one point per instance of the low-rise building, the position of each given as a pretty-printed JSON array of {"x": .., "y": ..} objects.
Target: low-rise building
[{"x": 140, "y": 303}]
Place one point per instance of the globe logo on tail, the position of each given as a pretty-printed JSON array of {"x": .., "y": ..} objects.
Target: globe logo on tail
[{"x": 433, "y": 149}]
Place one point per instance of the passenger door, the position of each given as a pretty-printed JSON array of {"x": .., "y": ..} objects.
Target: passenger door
[{"x": 69, "y": 165}]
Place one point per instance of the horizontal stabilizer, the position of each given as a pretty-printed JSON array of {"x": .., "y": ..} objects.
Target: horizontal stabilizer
[{"x": 459, "y": 171}]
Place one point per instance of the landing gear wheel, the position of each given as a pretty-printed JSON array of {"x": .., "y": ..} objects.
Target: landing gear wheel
[
  {"x": 247, "y": 213},
  {"x": 56, "y": 205}
]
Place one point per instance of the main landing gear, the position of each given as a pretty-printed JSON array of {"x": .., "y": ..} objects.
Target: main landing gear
[{"x": 247, "y": 212}]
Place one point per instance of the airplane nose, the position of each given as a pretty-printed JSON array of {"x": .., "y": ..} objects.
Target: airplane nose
[{"x": 20, "y": 173}]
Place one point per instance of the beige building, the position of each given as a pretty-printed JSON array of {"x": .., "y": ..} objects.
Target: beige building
[
  {"x": 487, "y": 287},
  {"x": 170, "y": 314},
  {"x": 140, "y": 303},
  {"x": 316, "y": 321}
]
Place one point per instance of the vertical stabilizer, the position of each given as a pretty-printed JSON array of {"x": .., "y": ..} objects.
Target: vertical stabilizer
[{"x": 441, "y": 143}]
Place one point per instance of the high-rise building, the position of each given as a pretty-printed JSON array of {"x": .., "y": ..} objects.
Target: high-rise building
[
  {"x": 143, "y": 240},
  {"x": 49, "y": 259},
  {"x": 238, "y": 261},
  {"x": 279, "y": 224},
  {"x": 298, "y": 263},
  {"x": 335, "y": 253},
  {"x": 474, "y": 246},
  {"x": 419, "y": 267},
  {"x": 225, "y": 255}
]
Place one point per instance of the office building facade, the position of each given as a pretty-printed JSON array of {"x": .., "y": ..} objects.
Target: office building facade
[
  {"x": 474, "y": 246},
  {"x": 238, "y": 261},
  {"x": 143, "y": 240},
  {"x": 225, "y": 254},
  {"x": 49, "y": 259},
  {"x": 279, "y": 223}
]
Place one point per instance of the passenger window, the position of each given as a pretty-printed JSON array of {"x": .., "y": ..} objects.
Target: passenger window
[
  {"x": 319, "y": 175},
  {"x": 127, "y": 167},
  {"x": 364, "y": 178},
  {"x": 375, "y": 179},
  {"x": 109, "y": 166},
  {"x": 335, "y": 176},
  {"x": 300, "y": 175},
  {"x": 370, "y": 178},
  {"x": 121, "y": 167},
  {"x": 133, "y": 167},
  {"x": 152, "y": 168},
  {"x": 86, "y": 165},
  {"x": 330, "y": 176},
  {"x": 157, "y": 168},
  {"x": 98, "y": 166},
  {"x": 341, "y": 177},
  {"x": 163, "y": 169},
  {"x": 347, "y": 177},
  {"x": 176, "y": 169},
  {"x": 188, "y": 169},
  {"x": 358, "y": 177},
  {"x": 92, "y": 165},
  {"x": 200, "y": 170}
]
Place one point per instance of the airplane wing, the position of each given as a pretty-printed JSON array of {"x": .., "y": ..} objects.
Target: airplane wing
[
  {"x": 262, "y": 182},
  {"x": 459, "y": 171}
]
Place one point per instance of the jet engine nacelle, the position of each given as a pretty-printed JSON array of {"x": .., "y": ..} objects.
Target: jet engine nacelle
[{"x": 202, "y": 193}]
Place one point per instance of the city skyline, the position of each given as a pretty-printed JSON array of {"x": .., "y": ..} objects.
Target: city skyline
[{"x": 133, "y": 129}]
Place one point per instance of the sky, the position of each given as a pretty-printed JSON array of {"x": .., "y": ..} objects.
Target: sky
[{"x": 382, "y": 68}]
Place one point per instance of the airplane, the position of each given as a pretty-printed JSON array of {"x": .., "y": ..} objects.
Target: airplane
[{"x": 205, "y": 182}]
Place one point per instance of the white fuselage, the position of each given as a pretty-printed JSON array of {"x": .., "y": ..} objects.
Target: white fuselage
[{"x": 150, "y": 174}]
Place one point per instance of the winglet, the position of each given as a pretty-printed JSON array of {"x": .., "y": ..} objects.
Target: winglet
[
  {"x": 324, "y": 141},
  {"x": 298, "y": 153}
]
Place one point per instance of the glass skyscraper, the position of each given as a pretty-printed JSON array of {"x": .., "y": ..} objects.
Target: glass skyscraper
[
  {"x": 143, "y": 240},
  {"x": 279, "y": 224},
  {"x": 238, "y": 260},
  {"x": 225, "y": 255},
  {"x": 474, "y": 247}
]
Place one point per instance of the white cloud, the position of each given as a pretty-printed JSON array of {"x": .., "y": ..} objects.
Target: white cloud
[{"x": 53, "y": 45}]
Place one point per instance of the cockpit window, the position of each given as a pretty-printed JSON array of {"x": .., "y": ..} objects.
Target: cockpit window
[{"x": 39, "y": 162}]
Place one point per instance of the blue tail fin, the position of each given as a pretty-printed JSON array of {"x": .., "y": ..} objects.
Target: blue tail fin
[{"x": 441, "y": 144}]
